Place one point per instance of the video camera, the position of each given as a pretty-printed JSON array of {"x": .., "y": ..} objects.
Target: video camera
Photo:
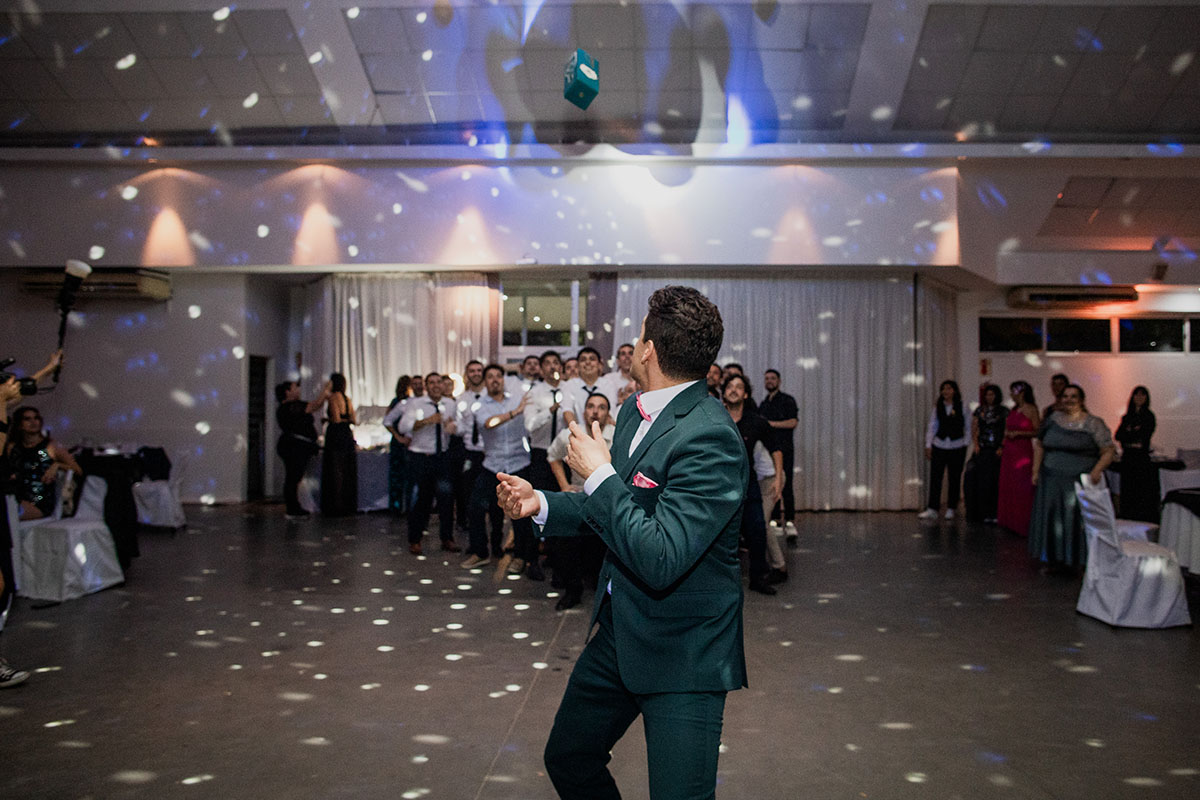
[{"x": 28, "y": 385}]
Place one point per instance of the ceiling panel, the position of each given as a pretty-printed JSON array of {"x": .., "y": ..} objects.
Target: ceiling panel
[
  {"x": 837, "y": 27},
  {"x": 212, "y": 37},
  {"x": 267, "y": 33},
  {"x": 951, "y": 27},
  {"x": 158, "y": 35},
  {"x": 1043, "y": 69},
  {"x": 183, "y": 77}
]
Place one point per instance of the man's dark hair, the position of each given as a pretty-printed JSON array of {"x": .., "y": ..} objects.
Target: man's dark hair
[
  {"x": 627, "y": 344},
  {"x": 531, "y": 355},
  {"x": 735, "y": 365},
  {"x": 1059, "y": 376},
  {"x": 549, "y": 353},
  {"x": 281, "y": 390},
  {"x": 429, "y": 375},
  {"x": 774, "y": 372},
  {"x": 745, "y": 382},
  {"x": 473, "y": 361},
  {"x": 591, "y": 350},
  {"x": 686, "y": 329},
  {"x": 491, "y": 367},
  {"x": 600, "y": 396}
]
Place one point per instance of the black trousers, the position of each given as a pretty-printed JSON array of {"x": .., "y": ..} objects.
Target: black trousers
[
  {"x": 983, "y": 485},
  {"x": 683, "y": 730},
  {"x": 946, "y": 461},
  {"x": 788, "y": 501},
  {"x": 465, "y": 465},
  {"x": 754, "y": 530},
  {"x": 432, "y": 476},
  {"x": 484, "y": 508},
  {"x": 294, "y": 467}
]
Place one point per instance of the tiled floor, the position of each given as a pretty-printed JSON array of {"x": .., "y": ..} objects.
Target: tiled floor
[{"x": 248, "y": 657}]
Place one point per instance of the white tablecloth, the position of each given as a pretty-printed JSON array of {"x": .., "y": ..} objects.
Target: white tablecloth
[
  {"x": 372, "y": 482},
  {"x": 1169, "y": 479},
  {"x": 1180, "y": 531}
]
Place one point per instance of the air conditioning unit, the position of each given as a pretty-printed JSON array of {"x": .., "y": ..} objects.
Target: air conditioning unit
[
  {"x": 1047, "y": 297},
  {"x": 104, "y": 284}
]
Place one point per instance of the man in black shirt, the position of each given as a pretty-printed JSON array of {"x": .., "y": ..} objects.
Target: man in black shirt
[
  {"x": 754, "y": 429},
  {"x": 779, "y": 409}
]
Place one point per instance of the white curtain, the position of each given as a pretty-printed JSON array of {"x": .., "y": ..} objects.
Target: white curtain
[
  {"x": 858, "y": 356},
  {"x": 375, "y": 328}
]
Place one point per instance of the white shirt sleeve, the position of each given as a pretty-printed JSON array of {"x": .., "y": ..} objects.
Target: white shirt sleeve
[{"x": 598, "y": 477}]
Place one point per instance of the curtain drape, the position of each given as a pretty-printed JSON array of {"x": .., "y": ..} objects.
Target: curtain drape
[
  {"x": 375, "y": 328},
  {"x": 858, "y": 356}
]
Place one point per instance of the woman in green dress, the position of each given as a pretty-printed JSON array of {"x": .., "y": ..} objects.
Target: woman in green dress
[{"x": 1069, "y": 443}]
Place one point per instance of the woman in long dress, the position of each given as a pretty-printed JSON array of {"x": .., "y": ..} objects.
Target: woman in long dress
[
  {"x": 339, "y": 466},
  {"x": 1069, "y": 443},
  {"x": 984, "y": 468},
  {"x": 398, "y": 454},
  {"x": 1139, "y": 475},
  {"x": 1016, "y": 460}
]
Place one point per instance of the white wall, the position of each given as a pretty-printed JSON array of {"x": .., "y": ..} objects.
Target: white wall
[
  {"x": 1108, "y": 378},
  {"x": 144, "y": 373},
  {"x": 267, "y": 213}
]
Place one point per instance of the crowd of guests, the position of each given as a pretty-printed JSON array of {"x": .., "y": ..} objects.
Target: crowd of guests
[
  {"x": 446, "y": 452},
  {"x": 1024, "y": 463}
]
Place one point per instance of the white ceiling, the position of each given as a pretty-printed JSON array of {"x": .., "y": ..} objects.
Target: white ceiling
[{"x": 297, "y": 72}]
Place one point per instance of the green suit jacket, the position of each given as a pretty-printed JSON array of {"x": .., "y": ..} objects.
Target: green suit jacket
[{"x": 673, "y": 549}]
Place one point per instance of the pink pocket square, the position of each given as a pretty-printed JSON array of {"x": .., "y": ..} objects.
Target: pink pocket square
[{"x": 642, "y": 482}]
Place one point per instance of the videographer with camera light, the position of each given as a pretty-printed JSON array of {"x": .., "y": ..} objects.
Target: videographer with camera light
[{"x": 12, "y": 389}]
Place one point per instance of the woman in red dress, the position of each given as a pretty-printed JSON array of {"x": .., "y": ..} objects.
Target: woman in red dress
[{"x": 1016, "y": 460}]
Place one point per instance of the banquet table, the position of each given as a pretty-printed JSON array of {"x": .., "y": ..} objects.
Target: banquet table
[
  {"x": 1180, "y": 528},
  {"x": 372, "y": 482}
]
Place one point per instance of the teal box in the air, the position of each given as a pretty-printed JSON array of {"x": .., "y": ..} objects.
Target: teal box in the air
[{"x": 581, "y": 80}]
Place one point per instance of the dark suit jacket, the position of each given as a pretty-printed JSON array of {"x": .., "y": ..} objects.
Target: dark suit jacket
[{"x": 672, "y": 549}]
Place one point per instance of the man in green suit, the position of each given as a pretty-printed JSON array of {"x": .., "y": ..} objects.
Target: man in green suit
[{"x": 668, "y": 503}]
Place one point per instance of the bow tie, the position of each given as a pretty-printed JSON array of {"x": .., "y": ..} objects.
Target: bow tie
[{"x": 641, "y": 410}]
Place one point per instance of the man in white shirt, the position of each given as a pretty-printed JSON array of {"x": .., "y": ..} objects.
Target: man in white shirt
[
  {"x": 430, "y": 421},
  {"x": 576, "y": 556},
  {"x": 577, "y": 390},
  {"x": 467, "y": 449},
  {"x": 543, "y": 417},
  {"x": 620, "y": 382}
]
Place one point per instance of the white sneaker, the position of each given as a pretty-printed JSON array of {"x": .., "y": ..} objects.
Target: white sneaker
[
  {"x": 10, "y": 677},
  {"x": 949, "y": 513},
  {"x": 790, "y": 528},
  {"x": 929, "y": 513}
]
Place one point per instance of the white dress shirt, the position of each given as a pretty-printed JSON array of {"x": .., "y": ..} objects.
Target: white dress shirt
[
  {"x": 540, "y": 423},
  {"x": 425, "y": 440}
]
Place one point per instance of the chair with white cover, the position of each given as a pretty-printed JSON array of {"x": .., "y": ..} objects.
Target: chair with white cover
[
  {"x": 1127, "y": 583},
  {"x": 158, "y": 501},
  {"x": 61, "y": 559}
]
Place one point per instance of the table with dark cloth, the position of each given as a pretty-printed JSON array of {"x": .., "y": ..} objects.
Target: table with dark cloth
[
  {"x": 1180, "y": 529},
  {"x": 120, "y": 471}
]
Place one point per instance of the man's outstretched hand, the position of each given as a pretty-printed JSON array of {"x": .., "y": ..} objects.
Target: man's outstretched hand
[
  {"x": 586, "y": 450},
  {"x": 515, "y": 495}
]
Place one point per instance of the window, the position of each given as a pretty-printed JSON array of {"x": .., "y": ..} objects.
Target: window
[
  {"x": 538, "y": 313},
  {"x": 1009, "y": 334},
  {"x": 1151, "y": 335},
  {"x": 1078, "y": 335},
  {"x": 1194, "y": 332}
]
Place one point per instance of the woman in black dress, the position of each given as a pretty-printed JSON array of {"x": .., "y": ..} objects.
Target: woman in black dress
[
  {"x": 987, "y": 440},
  {"x": 297, "y": 439},
  {"x": 339, "y": 466},
  {"x": 1139, "y": 476},
  {"x": 398, "y": 454}
]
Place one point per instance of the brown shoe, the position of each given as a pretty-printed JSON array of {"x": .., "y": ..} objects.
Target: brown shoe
[
  {"x": 448, "y": 546},
  {"x": 415, "y": 548}
]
